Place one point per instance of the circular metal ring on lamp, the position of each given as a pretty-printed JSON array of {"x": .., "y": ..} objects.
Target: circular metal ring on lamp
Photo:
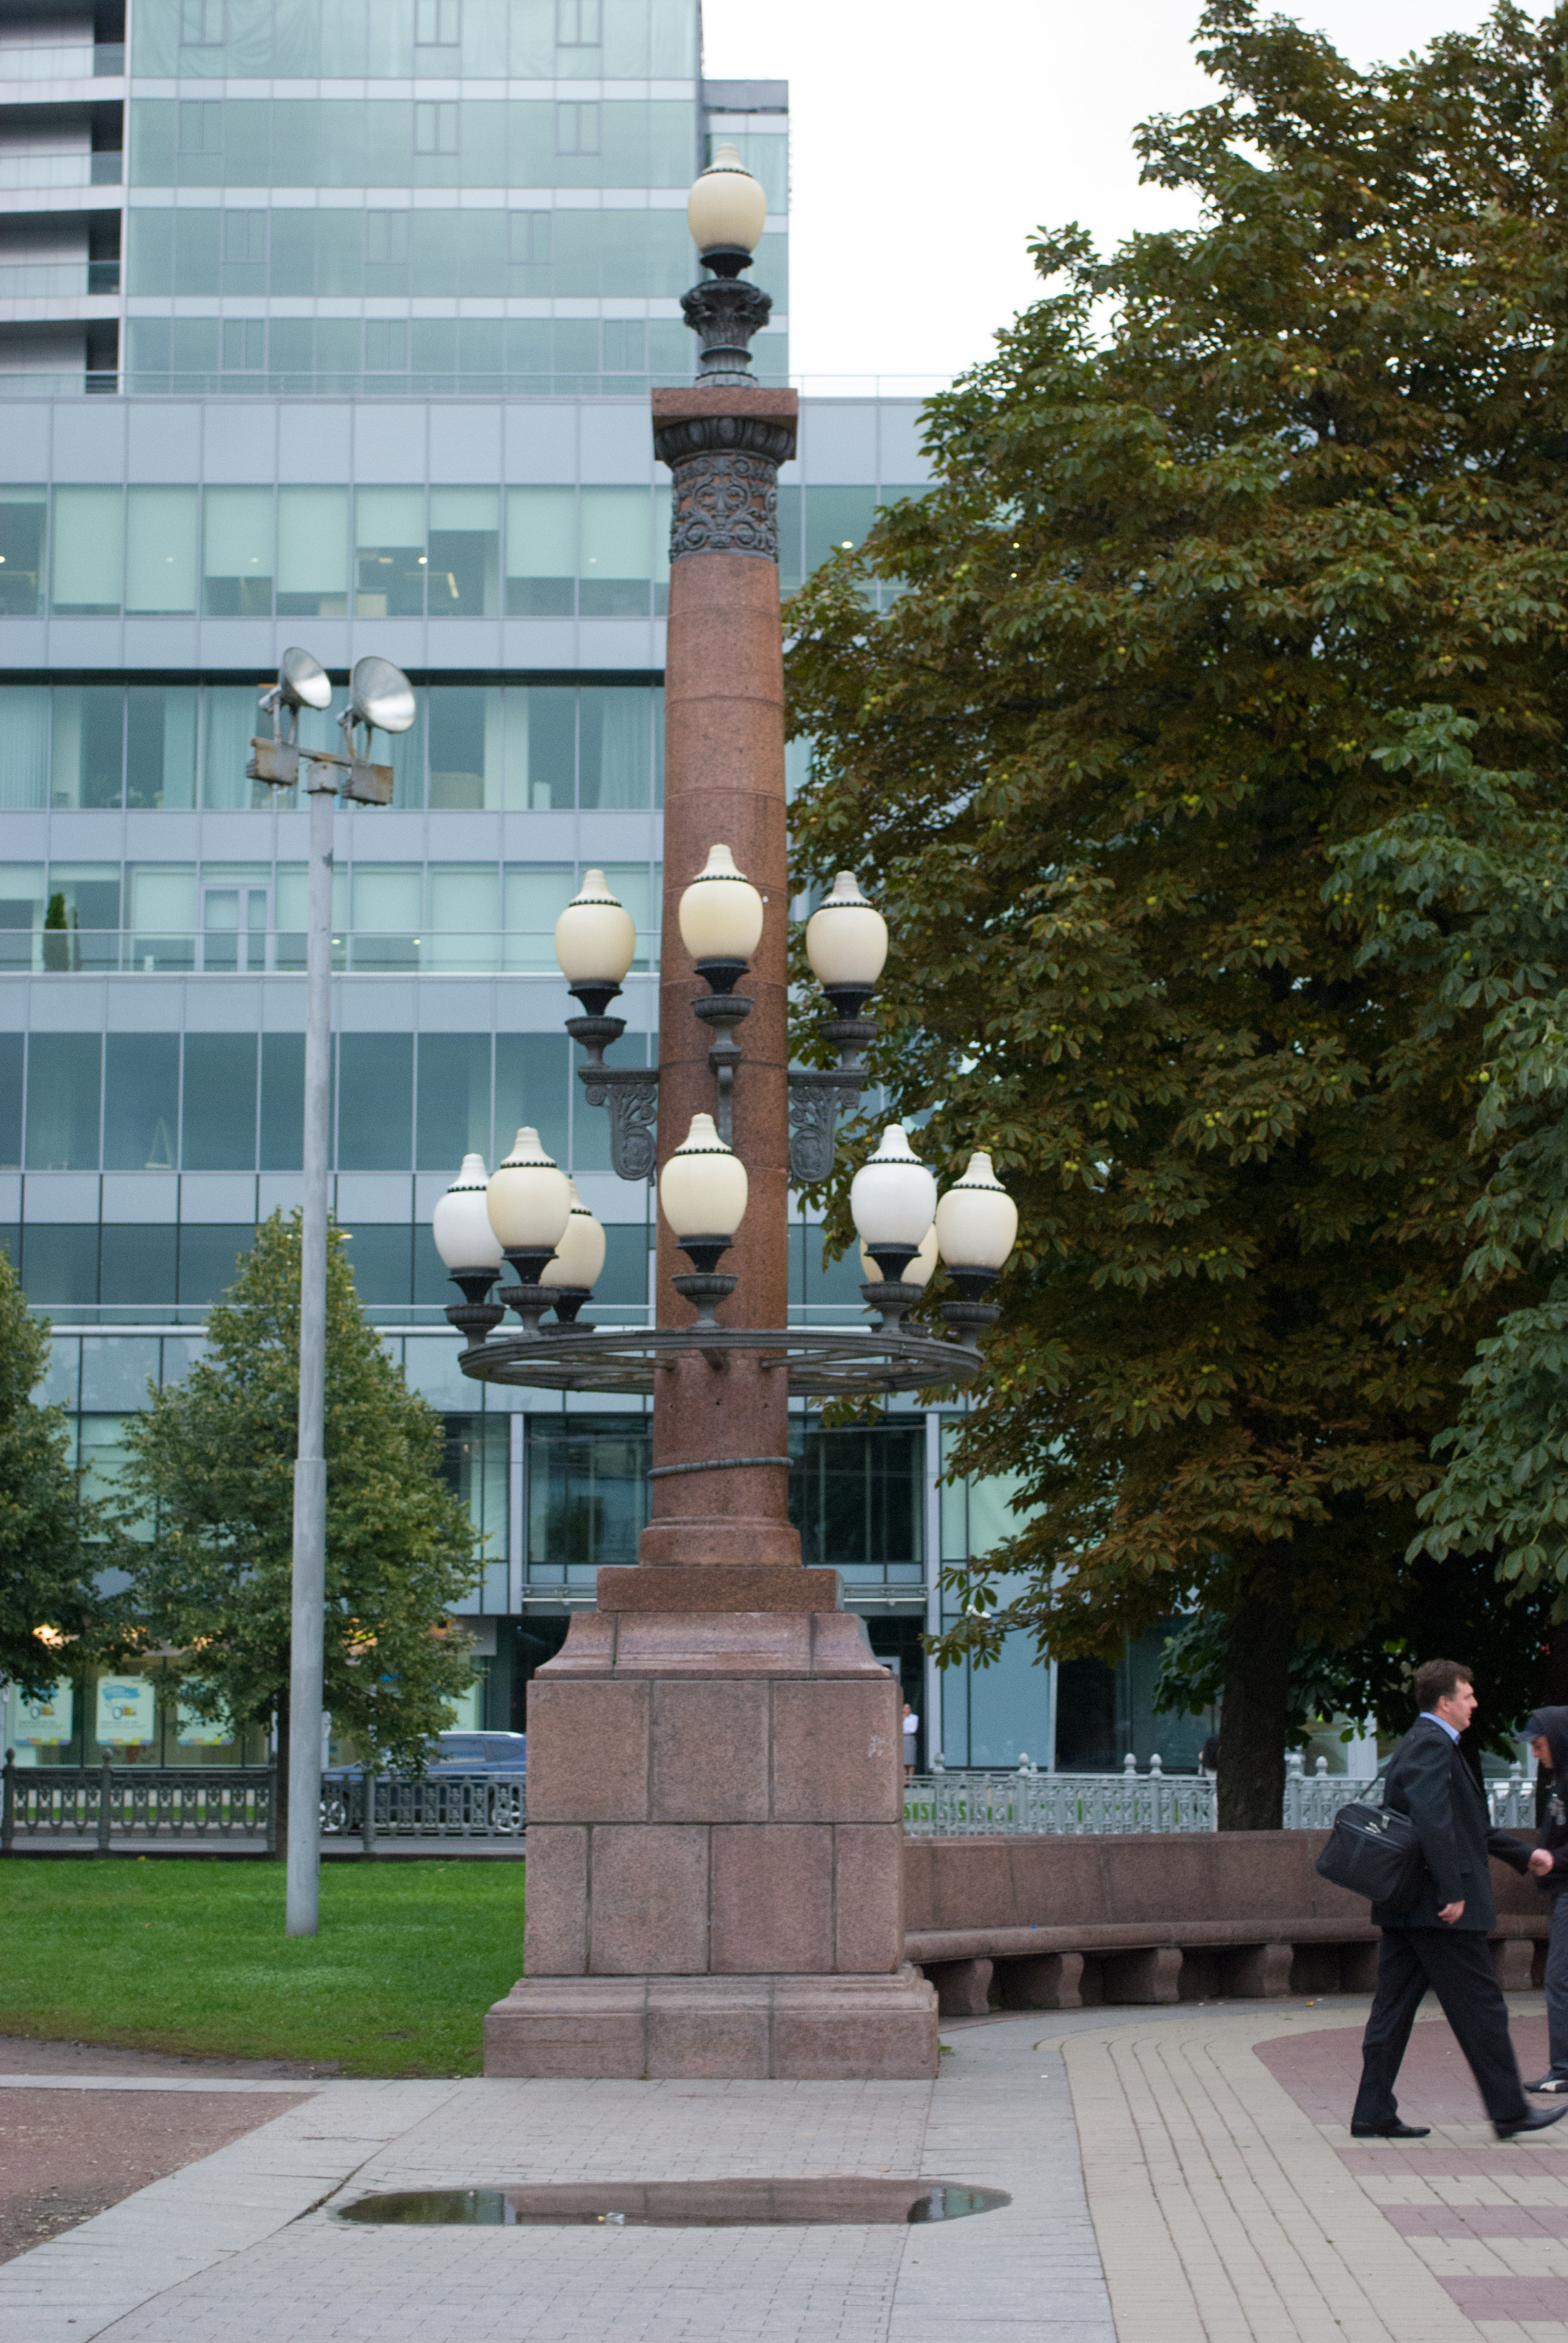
[{"x": 820, "y": 1363}]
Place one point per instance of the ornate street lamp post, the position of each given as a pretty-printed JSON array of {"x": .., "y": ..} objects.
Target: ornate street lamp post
[{"x": 715, "y": 1791}]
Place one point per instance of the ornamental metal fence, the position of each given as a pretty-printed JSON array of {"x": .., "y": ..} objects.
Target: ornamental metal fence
[
  {"x": 1312, "y": 1800},
  {"x": 943, "y": 1804},
  {"x": 445, "y": 1805},
  {"x": 980, "y": 1804},
  {"x": 105, "y": 1803}
]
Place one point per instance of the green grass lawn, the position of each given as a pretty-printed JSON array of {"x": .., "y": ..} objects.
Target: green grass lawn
[{"x": 165, "y": 1954}]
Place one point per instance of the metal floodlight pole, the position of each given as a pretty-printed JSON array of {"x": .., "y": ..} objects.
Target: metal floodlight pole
[
  {"x": 309, "y": 1579},
  {"x": 380, "y": 696}
]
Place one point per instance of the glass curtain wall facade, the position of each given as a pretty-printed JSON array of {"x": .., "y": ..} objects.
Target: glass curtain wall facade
[{"x": 332, "y": 323}]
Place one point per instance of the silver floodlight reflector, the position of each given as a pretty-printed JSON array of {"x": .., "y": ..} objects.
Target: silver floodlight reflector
[
  {"x": 382, "y": 695},
  {"x": 381, "y": 699},
  {"x": 303, "y": 681}
]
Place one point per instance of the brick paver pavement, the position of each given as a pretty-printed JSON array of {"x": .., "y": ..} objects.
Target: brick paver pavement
[
  {"x": 243, "y": 2247},
  {"x": 1231, "y": 2202},
  {"x": 1177, "y": 2176}
]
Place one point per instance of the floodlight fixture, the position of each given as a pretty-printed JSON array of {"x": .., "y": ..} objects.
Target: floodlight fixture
[{"x": 380, "y": 699}]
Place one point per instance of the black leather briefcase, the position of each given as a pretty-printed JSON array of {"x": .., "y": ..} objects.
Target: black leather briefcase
[{"x": 1375, "y": 1852}]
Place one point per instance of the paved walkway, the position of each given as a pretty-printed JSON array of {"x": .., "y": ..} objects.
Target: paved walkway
[{"x": 1175, "y": 2175}]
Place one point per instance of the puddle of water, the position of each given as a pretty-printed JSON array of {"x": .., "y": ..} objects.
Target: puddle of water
[{"x": 849, "y": 2202}]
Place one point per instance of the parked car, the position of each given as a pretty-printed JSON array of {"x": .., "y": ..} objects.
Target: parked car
[{"x": 454, "y": 1757}]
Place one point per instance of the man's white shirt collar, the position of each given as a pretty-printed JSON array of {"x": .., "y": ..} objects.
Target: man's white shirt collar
[{"x": 1433, "y": 1719}]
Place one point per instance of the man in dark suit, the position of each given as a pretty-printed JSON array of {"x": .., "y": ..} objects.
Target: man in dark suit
[{"x": 1441, "y": 1940}]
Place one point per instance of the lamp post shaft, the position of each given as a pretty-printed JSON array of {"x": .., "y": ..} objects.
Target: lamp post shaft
[
  {"x": 724, "y": 785},
  {"x": 304, "y": 1674}
]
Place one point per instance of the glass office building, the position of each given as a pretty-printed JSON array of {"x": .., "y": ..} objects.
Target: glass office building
[{"x": 333, "y": 321}]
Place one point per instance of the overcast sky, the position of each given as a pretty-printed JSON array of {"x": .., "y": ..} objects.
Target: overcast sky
[{"x": 930, "y": 139}]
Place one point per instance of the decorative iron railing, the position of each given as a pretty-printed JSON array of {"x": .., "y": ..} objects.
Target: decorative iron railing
[
  {"x": 941, "y": 1805},
  {"x": 445, "y": 1805},
  {"x": 1312, "y": 1800},
  {"x": 105, "y": 1803},
  {"x": 975, "y": 1805}
]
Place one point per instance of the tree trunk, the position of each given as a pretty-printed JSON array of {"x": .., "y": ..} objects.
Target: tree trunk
[
  {"x": 280, "y": 1837},
  {"x": 1253, "y": 1713}
]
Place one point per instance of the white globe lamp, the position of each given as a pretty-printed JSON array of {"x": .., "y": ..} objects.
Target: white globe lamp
[
  {"x": 726, "y": 212},
  {"x": 573, "y": 1271},
  {"x": 721, "y": 920},
  {"x": 846, "y": 945},
  {"x": 892, "y": 1199}
]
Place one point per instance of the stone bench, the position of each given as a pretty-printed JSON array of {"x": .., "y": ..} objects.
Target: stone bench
[{"x": 1159, "y": 1920}]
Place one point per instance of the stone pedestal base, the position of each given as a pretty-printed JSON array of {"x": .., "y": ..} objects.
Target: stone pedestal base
[
  {"x": 813, "y": 2029},
  {"x": 715, "y": 1880}
]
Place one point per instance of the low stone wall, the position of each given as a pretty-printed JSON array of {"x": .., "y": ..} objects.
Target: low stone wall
[{"x": 1058, "y": 1922}]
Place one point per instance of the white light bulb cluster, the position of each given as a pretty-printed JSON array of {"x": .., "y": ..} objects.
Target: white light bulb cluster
[
  {"x": 529, "y": 1212},
  {"x": 529, "y": 1209},
  {"x": 904, "y": 1227}
]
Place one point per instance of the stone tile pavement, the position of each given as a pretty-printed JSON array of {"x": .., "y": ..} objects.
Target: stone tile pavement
[
  {"x": 1176, "y": 2175},
  {"x": 243, "y": 2247}
]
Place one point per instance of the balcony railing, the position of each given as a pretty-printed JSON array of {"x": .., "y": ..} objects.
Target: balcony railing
[
  {"x": 226, "y": 952},
  {"x": 19, "y": 172},
  {"x": 80, "y": 61},
  {"x": 47, "y": 280}
]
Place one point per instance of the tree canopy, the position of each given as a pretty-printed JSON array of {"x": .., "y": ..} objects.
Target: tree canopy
[
  {"x": 1471, "y": 894},
  {"x": 207, "y": 1514},
  {"x": 47, "y": 1592},
  {"x": 1225, "y": 512}
]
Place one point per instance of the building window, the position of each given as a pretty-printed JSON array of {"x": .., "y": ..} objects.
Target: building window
[
  {"x": 528, "y": 238},
  {"x": 588, "y": 1494},
  {"x": 201, "y": 23},
  {"x": 243, "y": 345},
  {"x": 244, "y": 235},
  {"x": 578, "y": 26},
  {"x": 22, "y": 512},
  {"x": 855, "y": 1498},
  {"x": 386, "y": 238},
  {"x": 624, "y": 345},
  {"x": 386, "y": 346},
  {"x": 577, "y": 127},
  {"x": 439, "y": 24},
  {"x": 434, "y": 128},
  {"x": 201, "y": 126}
]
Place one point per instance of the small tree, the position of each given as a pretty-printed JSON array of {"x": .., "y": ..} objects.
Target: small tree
[
  {"x": 48, "y": 1598},
  {"x": 58, "y": 943},
  {"x": 211, "y": 1469}
]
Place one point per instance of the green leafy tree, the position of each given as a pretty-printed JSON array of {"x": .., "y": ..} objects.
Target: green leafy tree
[
  {"x": 209, "y": 1484},
  {"x": 1224, "y": 508},
  {"x": 47, "y": 1596},
  {"x": 1468, "y": 891}
]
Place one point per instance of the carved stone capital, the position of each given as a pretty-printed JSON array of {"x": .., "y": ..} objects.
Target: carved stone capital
[
  {"x": 726, "y": 502},
  {"x": 724, "y": 312}
]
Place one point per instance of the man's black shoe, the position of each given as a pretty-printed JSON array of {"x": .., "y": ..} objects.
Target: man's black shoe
[
  {"x": 1538, "y": 2120},
  {"x": 1397, "y": 2130}
]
